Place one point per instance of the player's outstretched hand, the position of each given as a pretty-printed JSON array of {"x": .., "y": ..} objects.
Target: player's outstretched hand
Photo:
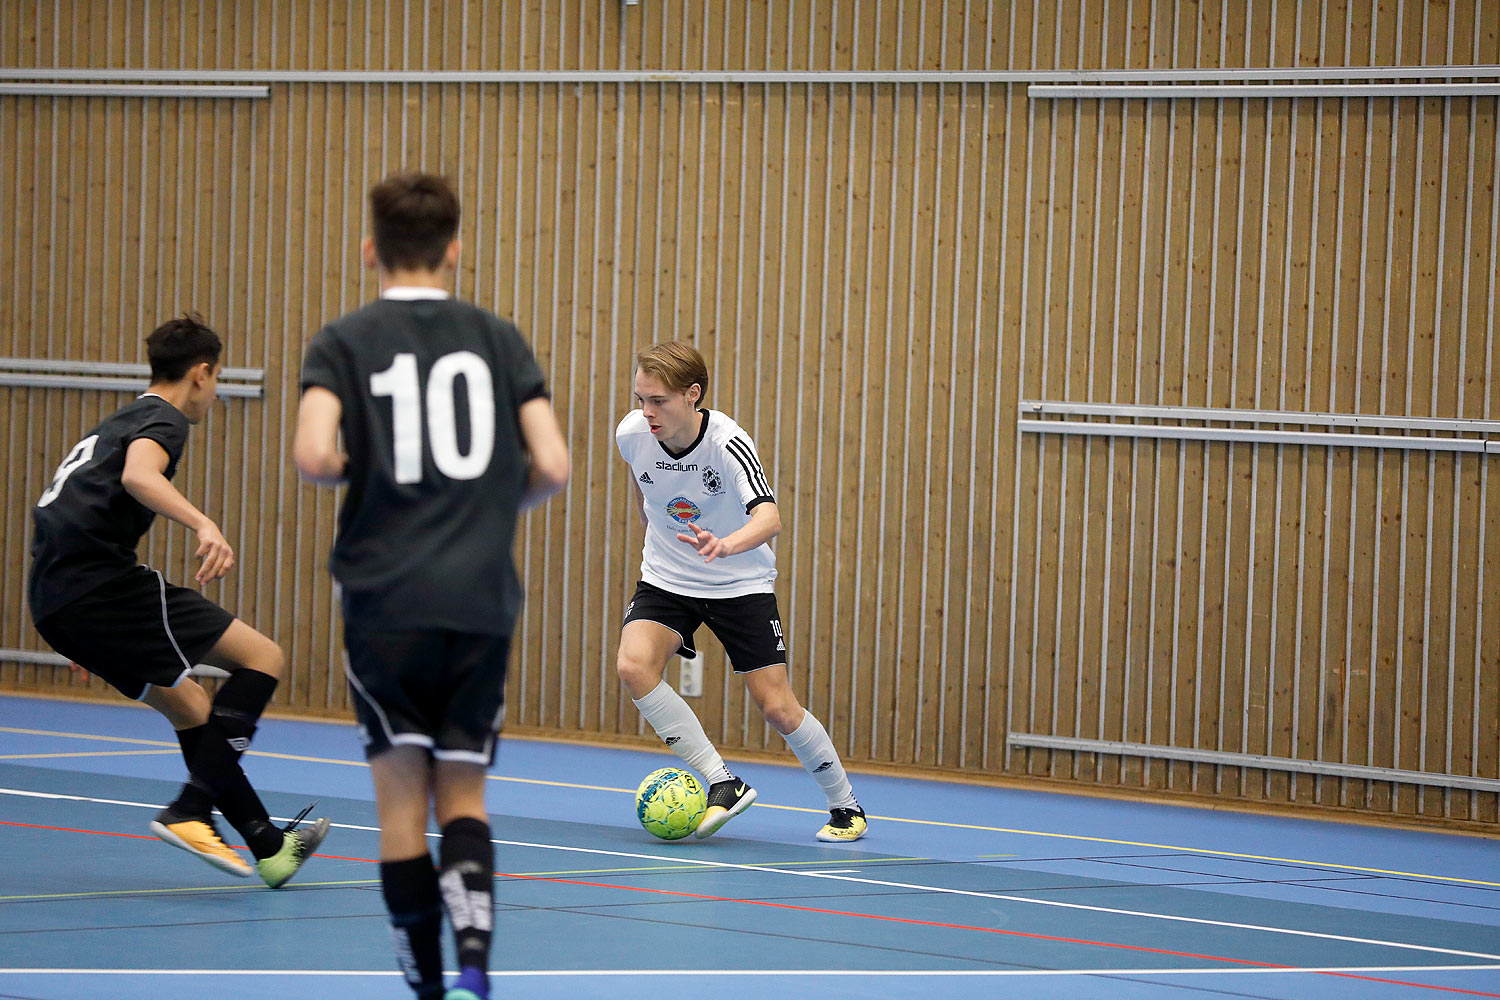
[
  {"x": 217, "y": 556},
  {"x": 709, "y": 545}
]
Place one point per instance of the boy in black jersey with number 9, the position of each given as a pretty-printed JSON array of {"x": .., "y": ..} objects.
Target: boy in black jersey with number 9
[
  {"x": 449, "y": 434},
  {"x": 94, "y": 604}
]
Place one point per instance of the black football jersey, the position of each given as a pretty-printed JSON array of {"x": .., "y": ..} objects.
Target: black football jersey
[
  {"x": 86, "y": 526},
  {"x": 430, "y": 390}
]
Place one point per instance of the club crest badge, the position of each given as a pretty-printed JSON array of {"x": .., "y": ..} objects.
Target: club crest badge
[
  {"x": 683, "y": 510},
  {"x": 713, "y": 483}
]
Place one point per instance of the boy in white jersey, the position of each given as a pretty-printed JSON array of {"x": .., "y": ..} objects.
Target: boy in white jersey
[{"x": 709, "y": 515}]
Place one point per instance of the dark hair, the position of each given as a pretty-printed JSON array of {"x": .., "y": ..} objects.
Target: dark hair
[
  {"x": 178, "y": 344},
  {"x": 415, "y": 217}
]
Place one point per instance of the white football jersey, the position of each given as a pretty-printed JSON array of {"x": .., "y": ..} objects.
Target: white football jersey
[{"x": 715, "y": 484}]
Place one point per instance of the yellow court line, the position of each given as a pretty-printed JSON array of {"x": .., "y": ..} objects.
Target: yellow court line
[
  {"x": 885, "y": 819},
  {"x": 1190, "y": 850},
  {"x": 163, "y": 892},
  {"x": 688, "y": 867},
  {"x": 86, "y": 736},
  {"x": 84, "y": 753}
]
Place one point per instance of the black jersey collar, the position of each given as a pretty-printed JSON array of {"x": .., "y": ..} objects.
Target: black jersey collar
[{"x": 703, "y": 430}]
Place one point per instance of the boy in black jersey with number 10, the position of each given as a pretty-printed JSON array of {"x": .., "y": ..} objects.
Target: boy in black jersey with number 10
[
  {"x": 122, "y": 621},
  {"x": 449, "y": 434}
]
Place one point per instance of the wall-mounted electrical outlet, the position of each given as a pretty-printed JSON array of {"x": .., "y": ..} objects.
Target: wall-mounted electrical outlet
[{"x": 690, "y": 677}]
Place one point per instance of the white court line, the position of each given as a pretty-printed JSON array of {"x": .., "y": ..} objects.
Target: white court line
[
  {"x": 884, "y": 973},
  {"x": 1113, "y": 841},
  {"x": 914, "y": 887}
]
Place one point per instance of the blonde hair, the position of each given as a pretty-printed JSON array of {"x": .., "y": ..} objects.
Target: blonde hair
[{"x": 676, "y": 364}]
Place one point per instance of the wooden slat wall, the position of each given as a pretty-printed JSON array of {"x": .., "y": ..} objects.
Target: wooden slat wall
[
  {"x": 1325, "y": 255},
  {"x": 878, "y": 273}
]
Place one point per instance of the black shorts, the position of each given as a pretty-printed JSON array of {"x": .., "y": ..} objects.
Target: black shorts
[
  {"x": 432, "y": 688},
  {"x": 137, "y": 630},
  {"x": 748, "y": 626}
]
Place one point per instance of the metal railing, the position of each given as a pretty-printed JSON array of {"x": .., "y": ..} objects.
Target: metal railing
[
  {"x": 1232, "y": 759},
  {"x": 1489, "y": 444},
  {"x": 110, "y": 376}
]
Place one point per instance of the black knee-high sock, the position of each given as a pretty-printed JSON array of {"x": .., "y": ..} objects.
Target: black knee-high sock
[
  {"x": 188, "y": 740},
  {"x": 214, "y": 762},
  {"x": 193, "y": 800},
  {"x": 467, "y": 880},
  {"x": 416, "y": 909}
]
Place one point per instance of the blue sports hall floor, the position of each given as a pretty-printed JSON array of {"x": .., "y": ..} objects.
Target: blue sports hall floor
[{"x": 959, "y": 890}]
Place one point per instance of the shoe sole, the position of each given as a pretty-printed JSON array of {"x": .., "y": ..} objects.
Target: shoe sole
[
  {"x": 842, "y": 840},
  {"x": 711, "y": 826},
  {"x": 167, "y": 836}
]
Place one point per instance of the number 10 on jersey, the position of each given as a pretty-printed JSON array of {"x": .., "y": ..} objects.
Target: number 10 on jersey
[{"x": 401, "y": 383}]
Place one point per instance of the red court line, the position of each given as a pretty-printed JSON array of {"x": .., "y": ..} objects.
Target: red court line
[
  {"x": 911, "y": 921},
  {"x": 997, "y": 930},
  {"x": 69, "y": 829}
]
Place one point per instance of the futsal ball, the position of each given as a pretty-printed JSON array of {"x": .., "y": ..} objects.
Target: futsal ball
[{"x": 670, "y": 803}]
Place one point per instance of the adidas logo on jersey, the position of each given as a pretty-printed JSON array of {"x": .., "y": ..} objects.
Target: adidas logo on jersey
[{"x": 646, "y": 478}]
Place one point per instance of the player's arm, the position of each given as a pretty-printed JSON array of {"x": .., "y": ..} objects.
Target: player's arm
[
  {"x": 548, "y": 469},
  {"x": 315, "y": 448},
  {"x": 145, "y": 478},
  {"x": 640, "y": 504},
  {"x": 764, "y": 525}
]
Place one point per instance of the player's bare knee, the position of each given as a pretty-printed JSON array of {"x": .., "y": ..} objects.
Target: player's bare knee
[
  {"x": 195, "y": 702},
  {"x": 452, "y": 806},
  {"x": 785, "y": 714},
  {"x": 185, "y": 706},
  {"x": 458, "y": 791},
  {"x": 267, "y": 658},
  {"x": 401, "y": 841},
  {"x": 635, "y": 672},
  {"x": 243, "y": 648},
  {"x": 277, "y": 661}
]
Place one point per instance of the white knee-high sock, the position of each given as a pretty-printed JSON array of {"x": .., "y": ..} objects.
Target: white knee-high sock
[
  {"x": 814, "y": 749},
  {"x": 680, "y": 730}
]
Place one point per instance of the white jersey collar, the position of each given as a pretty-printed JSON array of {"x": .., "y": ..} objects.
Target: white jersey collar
[{"x": 410, "y": 293}]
